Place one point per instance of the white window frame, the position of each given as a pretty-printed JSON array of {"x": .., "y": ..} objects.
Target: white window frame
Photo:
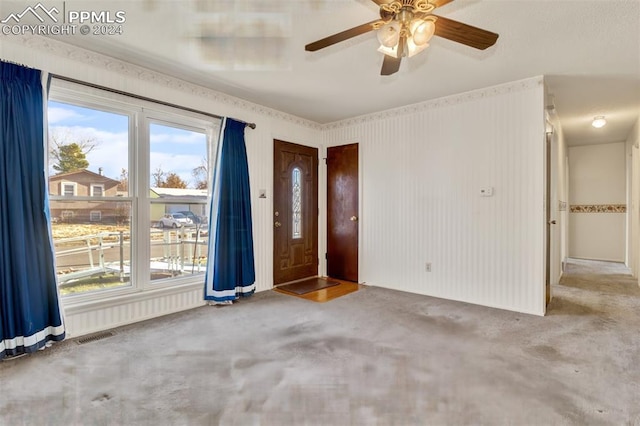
[
  {"x": 64, "y": 184},
  {"x": 93, "y": 212},
  {"x": 67, "y": 214},
  {"x": 98, "y": 185},
  {"x": 141, "y": 113}
]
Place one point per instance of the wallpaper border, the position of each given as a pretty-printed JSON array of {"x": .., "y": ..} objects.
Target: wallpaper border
[
  {"x": 99, "y": 60},
  {"x": 598, "y": 208},
  {"x": 459, "y": 98}
]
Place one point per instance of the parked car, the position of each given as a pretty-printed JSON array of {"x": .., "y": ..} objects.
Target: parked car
[
  {"x": 194, "y": 217},
  {"x": 174, "y": 220}
]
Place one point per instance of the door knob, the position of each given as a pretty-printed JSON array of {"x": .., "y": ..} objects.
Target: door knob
[
  {"x": 354, "y": 218},
  {"x": 277, "y": 224}
]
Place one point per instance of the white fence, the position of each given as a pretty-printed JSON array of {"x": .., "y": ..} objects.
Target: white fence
[{"x": 182, "y": 250}]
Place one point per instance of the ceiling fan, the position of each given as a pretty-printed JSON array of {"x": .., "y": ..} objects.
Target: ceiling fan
[{"x": 405, "y": 28}]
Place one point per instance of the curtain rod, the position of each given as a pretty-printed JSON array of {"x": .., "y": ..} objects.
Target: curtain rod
[
  {"x": 144, "y": 98},
  {"x": 6, "y": 61}
]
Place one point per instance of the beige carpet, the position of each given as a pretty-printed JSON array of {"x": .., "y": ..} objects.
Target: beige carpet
[{"x": 373, "y": 357}]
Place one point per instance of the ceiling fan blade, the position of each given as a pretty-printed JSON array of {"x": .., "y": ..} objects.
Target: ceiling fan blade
[
  {"x": 439, "y": 3},
  {"x": 465, "y": 34},
  {"x": 341, "y": 36},
  {"x": 390, "y": 65}
]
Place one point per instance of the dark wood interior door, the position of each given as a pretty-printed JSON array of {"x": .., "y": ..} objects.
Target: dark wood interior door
[
  {"x": 342, "y": 212},
  {"x": 295, "y": 212}
]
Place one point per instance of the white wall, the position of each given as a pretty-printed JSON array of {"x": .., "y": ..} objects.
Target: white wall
[
  {"x": 60, "y": 58},
  {"x": 598, "y": 178},
  {"x": 422, "y": 170},
  {"x": 633, "y": 198}
]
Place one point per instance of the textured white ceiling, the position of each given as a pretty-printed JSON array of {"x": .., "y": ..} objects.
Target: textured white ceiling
[{"x": 588, "y": 50}]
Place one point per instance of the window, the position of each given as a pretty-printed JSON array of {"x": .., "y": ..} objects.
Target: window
[
  {"x": 148, "y": 230},
  {"x": 178, "y": 246},
  {"x": 93, "y": 251},
  {"x": 296, "y": 201},
  {"x": 97, "y": 190},
  {"x": 68, "y": 189}
]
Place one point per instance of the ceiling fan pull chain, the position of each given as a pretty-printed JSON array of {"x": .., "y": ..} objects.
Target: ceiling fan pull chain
[{"x": 402, "y": 47}]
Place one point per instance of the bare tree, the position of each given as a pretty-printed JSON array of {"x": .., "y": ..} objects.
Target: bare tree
[
  {"x": 158, "y": 177},
  {"x": 124, "y": 181},
  {"x": 201, "y": 175}
]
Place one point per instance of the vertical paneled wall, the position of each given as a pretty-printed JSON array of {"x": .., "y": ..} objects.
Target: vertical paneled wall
[{"x": 423, "y": 169}]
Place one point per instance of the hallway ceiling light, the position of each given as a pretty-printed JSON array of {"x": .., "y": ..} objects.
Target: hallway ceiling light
[{"x": 598, "y": 122}]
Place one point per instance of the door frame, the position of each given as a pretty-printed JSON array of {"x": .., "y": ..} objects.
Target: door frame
[{"x": 555, "y": 220}]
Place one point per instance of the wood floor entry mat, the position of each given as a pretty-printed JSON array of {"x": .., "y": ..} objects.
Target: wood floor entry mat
[{"x": 307, "y": 286}]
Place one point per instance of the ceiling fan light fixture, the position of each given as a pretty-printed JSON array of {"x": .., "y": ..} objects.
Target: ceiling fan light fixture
[
  {"x": 389, "y": 34},
  {"x": 422, "y": 31},
  {"x": 413, "y": 48},
  {"x": 419, "y": 34},
  {"x": 598, "y": 122},
  {"x": 410, "y": 49}
]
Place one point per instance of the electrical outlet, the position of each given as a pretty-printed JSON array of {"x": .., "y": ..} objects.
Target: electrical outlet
[{"x": 427, "y": 267}]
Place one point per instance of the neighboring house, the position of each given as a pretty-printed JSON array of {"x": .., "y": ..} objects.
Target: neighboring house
[{"x": 85, "y": 183}]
